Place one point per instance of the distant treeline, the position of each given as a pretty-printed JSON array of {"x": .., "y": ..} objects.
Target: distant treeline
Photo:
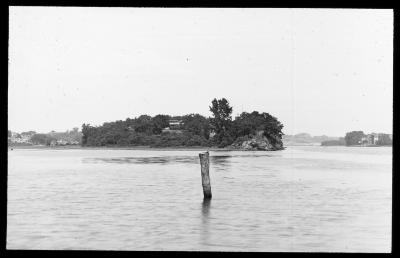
[
  {"x": 194, "y": 129},
  {"x": 66, "y": 138},
  {"x": 305, "y": 138},
  {"x": 33, "y": 138},
  {"x": 360, "y": 138},
  {"x": 354, "y": 138},
  {"x": 339, "y": 142},
  {"x": 147, "y": 131}
]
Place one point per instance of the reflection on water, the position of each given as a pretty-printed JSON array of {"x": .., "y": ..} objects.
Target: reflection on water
[
  {"x": 205, "y": 210},
  {"x": 205, "y": 207},
  {"x": 217, "y": 159},
  {"x": 143, "y": 160},
  {"x": 221, "y": 163},
  {"x": 300, "y": 199}
]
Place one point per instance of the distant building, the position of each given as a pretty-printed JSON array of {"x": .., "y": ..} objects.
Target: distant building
[
  {"x": 370, "y": 139},
  {"x": 62, "y": 142},
  {"x": 373, "y": 138},
  {"x": 175, "y": 124},
  {"x": 212, "y": 134},
  {"x": 376, "y": 138}
]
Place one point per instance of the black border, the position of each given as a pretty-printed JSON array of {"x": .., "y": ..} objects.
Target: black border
[{"x": 189, "y": 4}]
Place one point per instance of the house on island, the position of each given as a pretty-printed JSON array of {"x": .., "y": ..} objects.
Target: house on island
[
  {"x": 212, "y": 134},
  {"x": 175, "y": 126}
]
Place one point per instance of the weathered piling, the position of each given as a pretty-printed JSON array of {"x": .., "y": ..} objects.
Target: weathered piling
[{"x": 205, "y": 177}]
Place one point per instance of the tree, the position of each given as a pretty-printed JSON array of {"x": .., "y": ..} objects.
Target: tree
[
  {"x": 339, "y": 142},
  {"x": 221, "y": 121},
  {"x": 384, "y": 139},
  {"x": 87, "y": 132},
  {"x": 272, "y": 128},
  {"x": 143, "y": 124},
  {"x": 159, "y": 123},
  {"x": 197, "y": 125},
  {"x": 354, "y": 137},
  {"x": 42, "y": 139},
  {"x": 255, "y": 122}
]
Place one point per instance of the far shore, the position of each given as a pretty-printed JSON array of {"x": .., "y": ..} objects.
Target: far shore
[
  {"x": 178, "y": 148},
  {"x": 182, "y": 148},
  {"x": 78, "y": 147},
  {"x": 68, "y": 147}
]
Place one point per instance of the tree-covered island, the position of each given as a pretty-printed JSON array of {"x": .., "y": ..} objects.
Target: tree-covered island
[{"x": 248, "y": 131}]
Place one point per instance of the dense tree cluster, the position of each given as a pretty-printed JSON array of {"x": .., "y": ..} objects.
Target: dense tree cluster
[
  {"x": 251, "y": 123},
  {"x": 339, "y": 142},
  {"x": 196, "y": 130},
  {"x": 358, "y": 138},
  {"x": 384, "y": 139},
  {"x": 70, "y": 136},
  {"x": 244, "y": 125},
  {"x": 147, "y": 131},
  {"x": 42, "y": 139},
  {"x": 354, "y": 137}
]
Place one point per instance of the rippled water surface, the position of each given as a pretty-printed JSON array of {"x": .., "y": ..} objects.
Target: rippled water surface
[{"x": 311, "y": 198}]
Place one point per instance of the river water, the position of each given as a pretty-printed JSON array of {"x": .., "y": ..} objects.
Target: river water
[{"x": 301, "y": 199}]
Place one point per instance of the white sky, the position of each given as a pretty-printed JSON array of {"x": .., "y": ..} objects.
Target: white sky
[{"x": 320, "y": 71}]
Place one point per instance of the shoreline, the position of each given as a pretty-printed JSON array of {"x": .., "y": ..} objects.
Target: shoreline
[
  {"x": 179, "y": 148},
  {"x": 117, "y": 148},
  {"x": 78, "y": 147}
]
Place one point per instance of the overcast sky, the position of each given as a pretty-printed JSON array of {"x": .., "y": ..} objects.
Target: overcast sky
[{"x": 320, "y": 71}]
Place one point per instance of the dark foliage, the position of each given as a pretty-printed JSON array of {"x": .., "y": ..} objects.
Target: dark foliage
[
  {"x": 383, "y": 140},
  {"x": 147, "y": 131},
  {"x": 194, "y": 131},
  {"x": 339, "y": 142},
  {"x": 258, "y": 123},
  {"x": 221, "y": 122},
  {"x": 197, "y": 125},
  {"x": 354, "y": 137},
  {"x": 42, "y": 139}
]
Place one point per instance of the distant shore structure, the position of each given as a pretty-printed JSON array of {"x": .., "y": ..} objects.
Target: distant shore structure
[
  {"x": 175, "y": 124},
  {"x": 373, "y": 138}
]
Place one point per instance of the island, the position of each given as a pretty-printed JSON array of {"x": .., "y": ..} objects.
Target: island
[{"x": 247, "y": 131}]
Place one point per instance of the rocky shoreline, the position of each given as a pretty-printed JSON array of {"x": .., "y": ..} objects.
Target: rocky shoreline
[{"x": 257, "y": 143}]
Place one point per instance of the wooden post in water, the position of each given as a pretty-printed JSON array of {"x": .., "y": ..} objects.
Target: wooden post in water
[{"x": 205, "y": 177}]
